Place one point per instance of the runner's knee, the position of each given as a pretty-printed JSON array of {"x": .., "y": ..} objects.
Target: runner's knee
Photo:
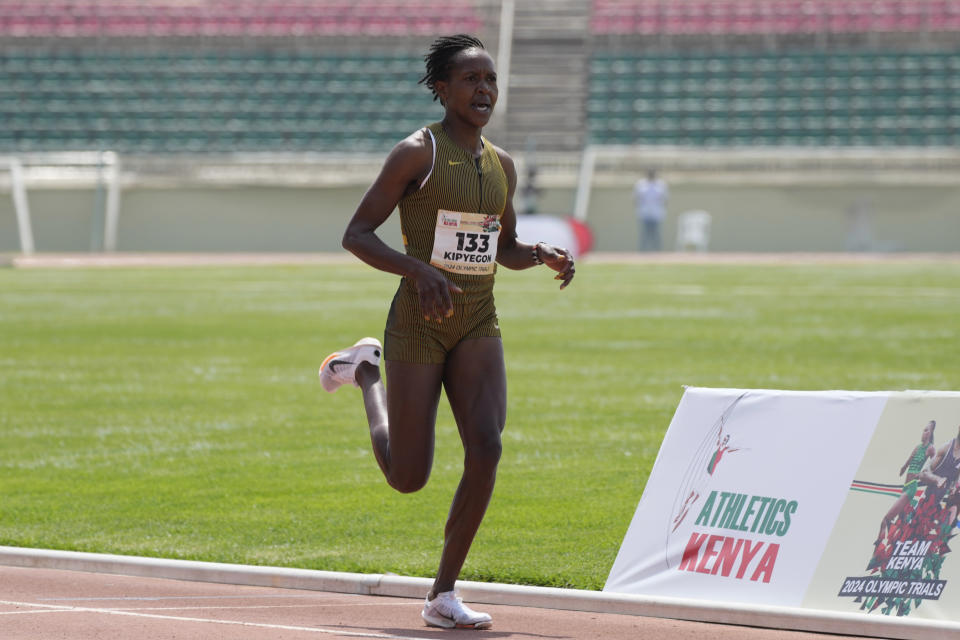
[
  {"x": 483, "y": 454},
  {"x": 409, "y": 480}
]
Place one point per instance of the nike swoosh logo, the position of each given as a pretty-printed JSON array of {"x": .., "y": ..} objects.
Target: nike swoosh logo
[
  {"x": 457, "y": 162},
  {"x": 335, "y": 363}
]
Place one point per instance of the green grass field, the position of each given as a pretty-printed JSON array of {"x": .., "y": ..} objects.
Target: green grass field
[{"x": 177, "y": 412}]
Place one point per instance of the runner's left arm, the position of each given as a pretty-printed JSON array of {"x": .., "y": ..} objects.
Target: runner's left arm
[{"x": 513, "y": 253}]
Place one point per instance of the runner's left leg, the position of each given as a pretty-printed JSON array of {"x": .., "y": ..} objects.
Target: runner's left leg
[{"x": 476, "y": 385}]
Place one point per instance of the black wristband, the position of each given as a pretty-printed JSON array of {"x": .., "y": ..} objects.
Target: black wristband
[{"x": 536, "y": 254}]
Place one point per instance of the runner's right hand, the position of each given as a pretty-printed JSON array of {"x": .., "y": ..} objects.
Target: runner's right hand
[{"x": 436, "y": 294}]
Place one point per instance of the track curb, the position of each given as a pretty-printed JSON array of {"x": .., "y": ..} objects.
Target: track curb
[{"x": 483, "y": 593}]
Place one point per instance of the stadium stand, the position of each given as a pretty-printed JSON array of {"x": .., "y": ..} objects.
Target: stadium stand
[
  {"x": 733, "y": 73},
  {"x": 213, "y": 76},
  {"x": 216, "y": 76},
  {"x": 863, "y": 98},
  {"x": 210, "y": 101}
]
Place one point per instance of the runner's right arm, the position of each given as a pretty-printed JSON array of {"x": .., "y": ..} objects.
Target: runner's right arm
[{"x": 402, "y": 172}]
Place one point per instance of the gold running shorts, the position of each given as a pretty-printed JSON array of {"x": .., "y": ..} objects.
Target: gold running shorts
[{"x": 409, "y": 337}]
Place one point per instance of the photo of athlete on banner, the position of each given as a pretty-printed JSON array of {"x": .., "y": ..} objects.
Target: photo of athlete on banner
[
  {"x": 913, "y": 536},
  {"x": 910, "y": 570},
  {"x": 914, "y": 464}
]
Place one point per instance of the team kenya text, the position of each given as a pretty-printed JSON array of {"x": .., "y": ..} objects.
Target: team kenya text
[{"x": 727, "y": 555}]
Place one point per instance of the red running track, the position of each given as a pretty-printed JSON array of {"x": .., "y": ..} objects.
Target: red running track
[{"x": 46, "y": 604}]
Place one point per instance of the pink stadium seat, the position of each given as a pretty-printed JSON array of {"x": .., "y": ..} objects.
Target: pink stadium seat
[
  {"x": 107, "y": 18},
  {"x": 744, "y": 18},
  {"x": 949, "y": 17},
  {"x": 618, "y": 22},
  {"x": 773, "y": 16}
]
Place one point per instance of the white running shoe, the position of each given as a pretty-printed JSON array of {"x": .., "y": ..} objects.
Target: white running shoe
[
  {"x": 340, "y": 367},
  {"x": 448, "y": 611}
]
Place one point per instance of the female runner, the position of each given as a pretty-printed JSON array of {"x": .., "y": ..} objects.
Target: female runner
[{"x": 454, "y": 190}]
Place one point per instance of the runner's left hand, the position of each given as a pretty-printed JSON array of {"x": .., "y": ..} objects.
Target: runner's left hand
[{"x": 560, "y": 260}]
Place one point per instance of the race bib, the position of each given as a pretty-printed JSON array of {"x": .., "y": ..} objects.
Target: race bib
[{"x": 465, "y": 242}]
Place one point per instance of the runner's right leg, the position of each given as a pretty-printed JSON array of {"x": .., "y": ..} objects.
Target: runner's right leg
[{"x": 401, "y": 419}]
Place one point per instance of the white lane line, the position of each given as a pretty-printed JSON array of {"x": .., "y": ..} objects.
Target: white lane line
[
  {"x": 256, "y": 606},
  {"x": 53, "y": 608},
  {"x": 251, "y": 595},
  {"x": 32, "y": 612}
]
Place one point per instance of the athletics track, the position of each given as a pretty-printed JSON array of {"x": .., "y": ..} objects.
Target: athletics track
[
  {"x": 47, "y": 595},
  {"x": 42, "y": 604}
]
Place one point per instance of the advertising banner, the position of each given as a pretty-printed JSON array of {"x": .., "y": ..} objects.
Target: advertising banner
[{"x": 839, "y": 501}]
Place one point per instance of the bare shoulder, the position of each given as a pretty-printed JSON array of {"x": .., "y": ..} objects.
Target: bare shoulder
[
  {"x": 416, "y": 145},
  {"x": 507, "y": 163},
  {"x": 412, "y": 158},
  {"x": 505, "y": 158}
]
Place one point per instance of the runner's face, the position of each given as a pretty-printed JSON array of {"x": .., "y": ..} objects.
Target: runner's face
[
  {"x": 927, "y": 433},
  {"x": 470, "y": 92}
]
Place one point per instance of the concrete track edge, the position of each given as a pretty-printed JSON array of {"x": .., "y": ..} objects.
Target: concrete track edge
[{"x": 753, "y": 615}]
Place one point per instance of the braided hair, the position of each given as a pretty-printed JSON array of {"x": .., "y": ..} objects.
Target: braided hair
[{"x": 440, "y": 58}]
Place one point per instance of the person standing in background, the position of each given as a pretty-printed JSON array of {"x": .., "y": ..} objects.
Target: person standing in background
[{"x": 650, "y": 199}]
